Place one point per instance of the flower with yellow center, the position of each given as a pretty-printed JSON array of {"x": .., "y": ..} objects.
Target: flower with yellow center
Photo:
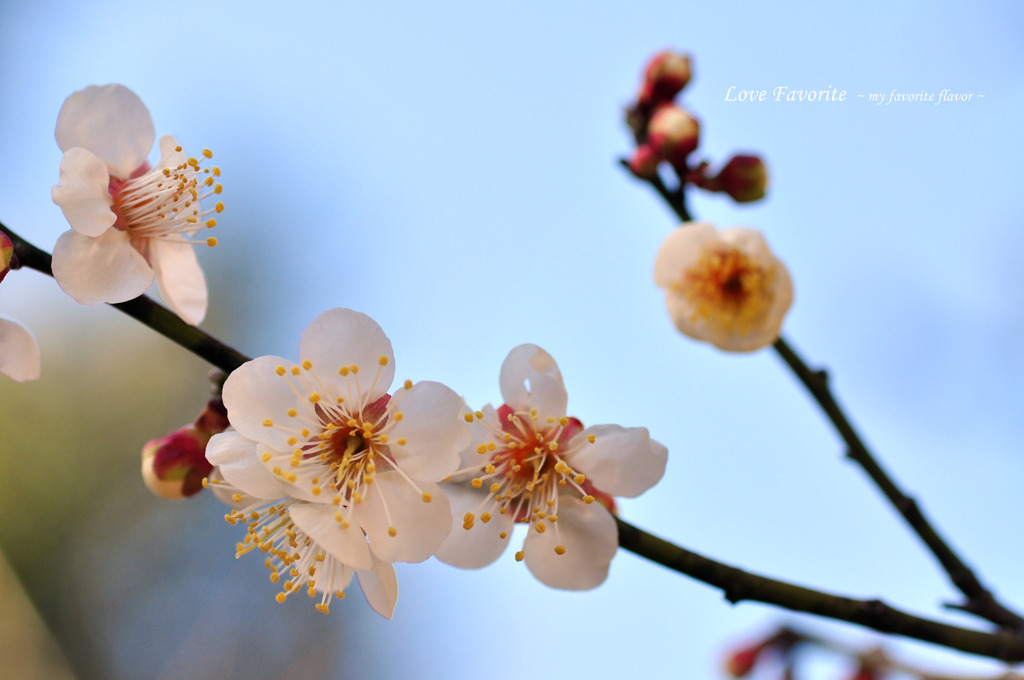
[
  {"x": 725, "y": 288},
  {"x": 337, "y": 458},
  {"x": 528, "y": 463},
  {"x": 130, "y": 222}
]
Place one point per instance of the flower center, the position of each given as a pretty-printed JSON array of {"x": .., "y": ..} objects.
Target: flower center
[
  {"x": 729, "y": 289},
  {"x": 164, "y": 202},
  {"x": 528, "y": 469}
]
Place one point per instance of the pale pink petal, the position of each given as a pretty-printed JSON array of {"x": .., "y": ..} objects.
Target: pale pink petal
[
  {"x": 19, "y": 353},
  {"x": 110, "y": 121},
  {"x": 380, "y": 586},
  {"x": 238, "y": 460},
  {"x": 82, "y": 193},
  {"x": 102, "y": 269},
  {"x": 258, "y": 400},
  {"x": 420, "y": 527},
  {"x": 530, "y": 379},
  {"x": 345, "y": 338},
  {"x": 181, "y": 281},
  {"x": 480, "y": 545},
  {"x": 680, "y": 250},
  {"x": 621, "y": 461},
  {"x": 479, "y": 434},
  {"x": 345, "y": 544},
  {"x": 432, "y": 428},
  {"x": 590, "y": 538}
]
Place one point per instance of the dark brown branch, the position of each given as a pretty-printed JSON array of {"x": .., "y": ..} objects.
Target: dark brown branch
[
  {"x": 145, "y": 310},
  {"x": 738, "y": 585}
]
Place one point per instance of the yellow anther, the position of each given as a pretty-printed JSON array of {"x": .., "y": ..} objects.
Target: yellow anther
[
  {"x": 519, "y": 556},
  {"x": 218, "y": 188},
  {"x": 215, "y": 170},
  {"x": 427, "y": 497},
  {"x": 316, "y": 490},
  {"x": 540, "y": 528},
  {"x": 207, "y": 153},
  {"x": 468, "y": 417},
  {"x": 398, "y": 416},
  {"x": 588, "y": 499},
  {"x": 219, "y": 207},
  {"x": 485, "y": 517},
  {"x": 353, "y": 368},
  {"x": 503, "y": 535},
  {"x": 559, "y": 549},
  {"x": 292, "y": 441},
  {"x": 291, "y": 477},
  {"x": 552, "y": 518},
  {"x": 482, "y": 448},
  {"x": 407, "y": 384},
  {"x": 266, "y": 457},
  {"x": 322, "y": 608},
  {"x": 292, "y": 413},
  {"x": 357, "y": 497},
  {"x": 295, "y": 370},
  {"x": 314, "y": 397},
  {"x": 280, "y": 370},
  {"x": 477, "y": 482},
  {"x": 383, "y": 361},
  {"x": 268, "y": 423},
  {"x": 553, "y": 446},
  {"x": 533, "y": 413},
  {"x": 343, "y": 370},
  {"x": 550, "y": 419},
  {"x": 191, "y": 219},
  {"x": 281, "y": 597},
  {"x": 392, "y": 531},
  {"x": 489, "y": 469},
  {"x": 560, "y": 466},
  {"x": 563, "y": 421},
  {"x": 210, "y": 224},
  {"x": 479, "y": 414},
  {"x": 307, "y": 364},
  {"x": 580, "y": 478},
  {"x": 383, "y": 439},
  {"x": 236, "y": 497},
  {"x": 401, "y": 441},
  {"x": 551, "y": 504},
  {"x": 591, "y": 438},
  {"x": 206, "y": 482},
  {"x": 212, "y": 241},
  {"x": 491, "y": 446}
]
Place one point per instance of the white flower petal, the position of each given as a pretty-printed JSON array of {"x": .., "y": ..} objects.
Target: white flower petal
[
  {"x": 237, "y": 458},
  {"x": 102, "y": 269},
  {"x": 83, "y": 193},
  {"x": 19, "y": 353},
  {"x": 181, "y": 281},
  {"x": 255, "y": 395},
  {"x": 343, "y": 337},
  {"x": 622, "y": 461},
  {"x": 480, "y": 545},
  {"x": 347, "y": 545},
  {"x": 110, "y": 121},
  {"x": 590, "y": 537},
  {"x": 380, "y": 587},
  {"x": 530, "y": 379},
  {"x": 433, "y": 429},
  {"x": 680, "y": 250},
  {"x": 420, "y": 527}
]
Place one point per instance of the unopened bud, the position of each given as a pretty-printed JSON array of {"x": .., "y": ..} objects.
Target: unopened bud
[
  {"x": 674, "y": 133},
  {"x": 744, "y": 178},
  {"x": 6, "y": 254},
  {"x": 174, "y": 466},
  {"x": 742, "y": 661},
  {"x": 666, "y": 74},
  {"x": 644, "y": 161}
]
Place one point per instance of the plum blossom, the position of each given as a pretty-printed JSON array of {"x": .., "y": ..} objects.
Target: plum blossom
[
  {"x": 529, "y": 463},
  {"x": 725, "y": 288},
  {"x": 19, "y": 352},
  {"x": 334, "y": 475},
  {"x": 130, "y": 222}
]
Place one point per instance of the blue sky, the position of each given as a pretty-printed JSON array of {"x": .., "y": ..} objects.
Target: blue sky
[{"x": 451, "y": 170}]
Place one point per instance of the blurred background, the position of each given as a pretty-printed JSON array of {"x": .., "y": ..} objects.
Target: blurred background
[{"x": 451, "y": 170}]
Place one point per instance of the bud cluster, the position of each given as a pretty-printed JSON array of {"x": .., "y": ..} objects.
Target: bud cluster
[
  {"x": 174, "y": 466},
  {"x": 667, "y": 133},
  {"x": 7, "y": 258}
]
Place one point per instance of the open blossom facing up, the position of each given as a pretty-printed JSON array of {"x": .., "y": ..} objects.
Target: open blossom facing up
[
  {"x": 130, "y": 222},
  {"x": 726, "y": 288},
  {"x": 529, "y": 463},
  {"x": 333, "y": 475}
]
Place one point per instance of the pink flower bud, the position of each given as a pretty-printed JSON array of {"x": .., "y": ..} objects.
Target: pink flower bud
[
  {"x": 742, "y": 661},
  {"x": 174, "y": 466},
  {"x": 644, "y": 161},
  {"x": 6, "y": 254},
  {"x": 744, "y": 178},
  {"x": 674, "y": 133},
  {"x": 666, "y": 74}
]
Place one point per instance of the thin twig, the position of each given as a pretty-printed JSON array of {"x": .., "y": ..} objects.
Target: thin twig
[{"x": 738, "y": 585}]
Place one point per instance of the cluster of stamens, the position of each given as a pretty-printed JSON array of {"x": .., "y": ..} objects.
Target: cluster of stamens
[
  {"x": 164, "y": 202},
  {"x": 528, "y": 469},
  {"x": 729, "y": 289},
  {"x": 291, "y": 555}
]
